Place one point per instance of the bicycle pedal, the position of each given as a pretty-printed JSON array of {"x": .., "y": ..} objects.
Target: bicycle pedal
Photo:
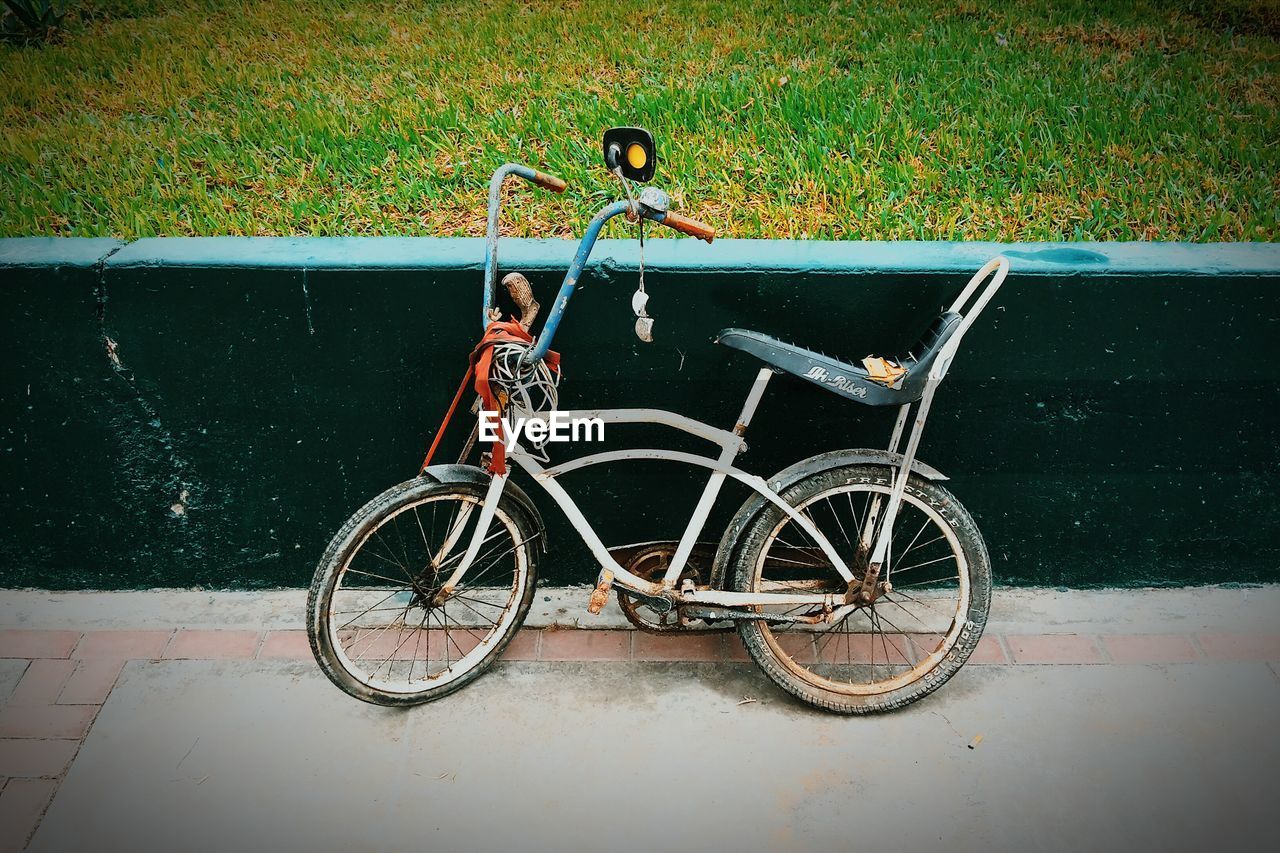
[{"x": 600, "y": 594}]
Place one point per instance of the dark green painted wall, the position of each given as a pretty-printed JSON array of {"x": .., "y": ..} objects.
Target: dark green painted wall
[{"x": 1112, "y": 419}]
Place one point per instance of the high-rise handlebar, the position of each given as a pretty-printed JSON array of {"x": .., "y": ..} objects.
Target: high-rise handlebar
[{"x": 542, "y": 179}]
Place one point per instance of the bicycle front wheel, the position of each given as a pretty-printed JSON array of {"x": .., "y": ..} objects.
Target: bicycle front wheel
[
  {"x": 907, "y": 642},
  {"x": 379, "y": 626}
]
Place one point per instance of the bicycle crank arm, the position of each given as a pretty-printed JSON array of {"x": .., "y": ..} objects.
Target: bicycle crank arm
[{"x": 656, "y": 603}]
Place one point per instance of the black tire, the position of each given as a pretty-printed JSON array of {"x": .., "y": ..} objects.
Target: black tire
[
  {"x": 510, "y": 520},
  {"x": 937, "y": 664}
]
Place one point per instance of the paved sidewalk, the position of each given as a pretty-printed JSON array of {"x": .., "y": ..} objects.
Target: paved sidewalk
[{"x": 1099, "y": 719}]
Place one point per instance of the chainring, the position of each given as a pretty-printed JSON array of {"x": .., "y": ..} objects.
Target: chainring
[{"x": 651, "y": 564}]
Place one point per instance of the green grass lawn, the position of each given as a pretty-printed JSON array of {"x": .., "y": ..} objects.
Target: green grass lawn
[{"x": 880, "y": 120}]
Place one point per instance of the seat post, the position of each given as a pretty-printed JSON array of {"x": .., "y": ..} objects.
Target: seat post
[
  {"x": 752, "y": 402},
  {"x": 898, "y": 426}
]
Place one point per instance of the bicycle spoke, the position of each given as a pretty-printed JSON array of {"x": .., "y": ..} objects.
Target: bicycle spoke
[
  {"x": 425, "y": 544},
  {"x": 898, "y": 587},
  {"x": 836, "y": 516},
  {"x": 927, "y": 563},
  {"x": 388, "y": 562},
  {"x": 371, "y": 575},
  {"x": 478, "y": 601},
  {"x": 472, "y": 609},
  {"x": 895, "y": 603},
  {"x": 923, "y": 527},
  {"x": 917, "y": 601}
]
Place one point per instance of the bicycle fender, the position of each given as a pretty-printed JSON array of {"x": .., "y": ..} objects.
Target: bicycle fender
[
  {"x": 793, "y": 474},
  {"x": 480, "y": 477}
]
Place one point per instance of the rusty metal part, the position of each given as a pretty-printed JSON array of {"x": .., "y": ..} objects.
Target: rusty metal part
[
  {"x": 522, "y": 294},
  {"x": 442, "y": 596},
  {"x": 651, "y": 563},
  {"x": 864, "y": 591},
  {"x": 470, "y": 443},
  {"x": 685, "y": 225},
  {"x": 549, "y": 182},
  {"x": 600, "y": 594},
  {"x": 868, "y": 590}
]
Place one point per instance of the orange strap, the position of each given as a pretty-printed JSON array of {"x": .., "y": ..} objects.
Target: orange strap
[
  {"x": 448, "y": 416},
  {"x": 481, "y": 360}
]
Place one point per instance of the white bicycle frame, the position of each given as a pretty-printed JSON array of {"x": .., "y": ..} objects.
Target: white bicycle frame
[{"x": 834, "y": 605}]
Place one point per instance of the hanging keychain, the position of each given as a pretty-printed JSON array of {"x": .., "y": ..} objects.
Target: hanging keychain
[{"x": 640, "y": 299}]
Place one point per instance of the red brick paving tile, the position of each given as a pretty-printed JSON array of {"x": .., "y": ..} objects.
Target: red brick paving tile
[
  {"x": 19, "y": 643},
  {"x": 55, "y": 721},
  {"x": 1053, "y": 648},
  {"x": 285, "y": 644},
  {"x": 34, "y": 758},
  {"x": 580, "y": 645},
  {"x": 523, "y": 646},
  {"x": 1150, "y": 648},
  {"x": 91, "y": 682},
  {"x": 127, "y": 645},
  {"x": 22, "y": 804},
  {"x": 799, "y": 644},
  {"x": 212, "y": 645},
  {"x": 42, "y": 682},
  {"x": 989, "y": 650},
  {"x": 691, "y": 647},
  {"x": 1240, "y": 647}
]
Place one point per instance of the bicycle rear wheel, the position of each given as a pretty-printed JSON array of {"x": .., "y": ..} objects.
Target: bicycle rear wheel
[
  {"x": 377, "y": 623},
  {"x": 907, "y": 642}
]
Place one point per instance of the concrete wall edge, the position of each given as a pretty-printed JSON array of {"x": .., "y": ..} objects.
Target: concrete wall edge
[
  {"x": 771, "y": 257},
  {"x": 75, "y": 252}
]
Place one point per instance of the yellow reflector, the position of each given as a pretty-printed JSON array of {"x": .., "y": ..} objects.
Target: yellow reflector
[{"x": 637, "y": 156}]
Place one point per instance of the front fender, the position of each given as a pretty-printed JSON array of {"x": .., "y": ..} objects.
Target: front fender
[
  {"x": 480, "y": 477},
  {"x": 793, "y": 474}
]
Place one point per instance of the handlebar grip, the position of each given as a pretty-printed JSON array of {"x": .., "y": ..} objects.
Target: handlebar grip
[
  {"x": 692, "y": 227},
  {"x": 549, "y": 182}
]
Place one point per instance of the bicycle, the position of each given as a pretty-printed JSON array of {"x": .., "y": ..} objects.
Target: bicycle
[{"x": 855, "y": 580}]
